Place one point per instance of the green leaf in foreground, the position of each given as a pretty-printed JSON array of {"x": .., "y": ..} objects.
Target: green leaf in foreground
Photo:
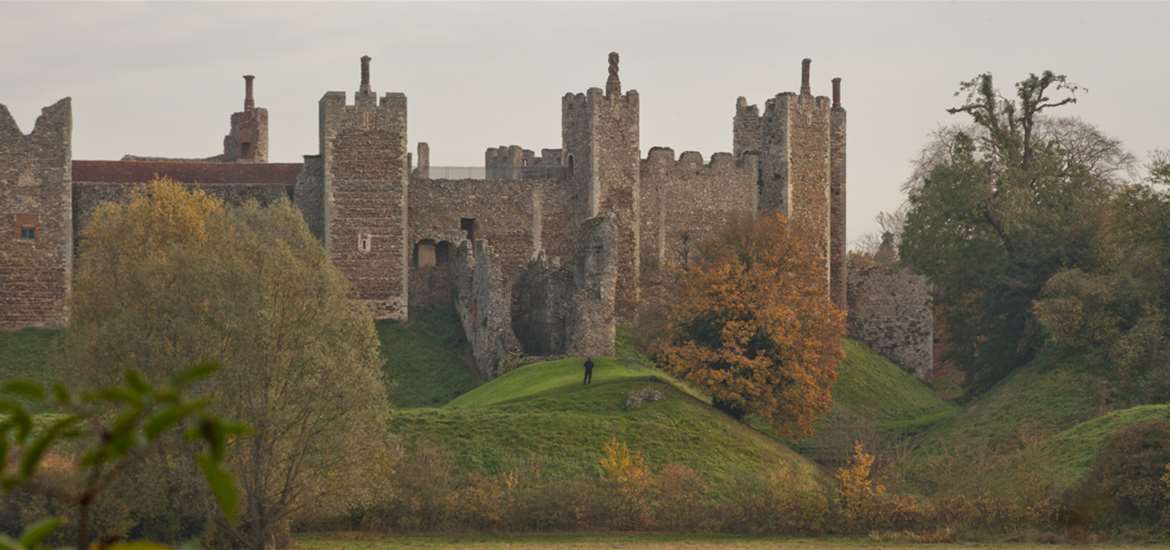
[
  {"x": 223, "y": 486},
  {"x": 36, "y": 533}
]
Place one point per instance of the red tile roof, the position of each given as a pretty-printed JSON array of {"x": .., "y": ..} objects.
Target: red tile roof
[{"x": 133, "y": 171}]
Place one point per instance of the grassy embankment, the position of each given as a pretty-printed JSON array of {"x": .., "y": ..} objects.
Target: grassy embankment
[
  {"x": 649, "y": 542},
  {"x": 542, "y": 412}
]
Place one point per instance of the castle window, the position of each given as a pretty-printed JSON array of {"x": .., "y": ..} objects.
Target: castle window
[
  {"x": 424, "y": 253},
  {"x": 245, "y": 150},
  {"x": 442, "y": 252},
  {"x": 570, "y": 165},
  {"x": 468, "y": 226},
  {"x": 26, "y": 227},
  {"x": 364, "y": 242}
]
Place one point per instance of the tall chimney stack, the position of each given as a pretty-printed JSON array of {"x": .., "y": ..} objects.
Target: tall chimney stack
[
  {"x": 613, "y": 85},
  {"x": 365, "y": 87},
  {"x": 249, "y": 103},
  {"x": 837, "y": 93},
  {"x": 805, "y": 68}
]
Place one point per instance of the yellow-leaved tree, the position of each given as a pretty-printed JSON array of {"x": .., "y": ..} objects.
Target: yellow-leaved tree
[
  {"x": 176, "y": 277},
  {"x": 750, "y": 323}
]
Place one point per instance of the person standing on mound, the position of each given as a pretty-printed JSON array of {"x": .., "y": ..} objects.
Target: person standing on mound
[{"x": 588, "y": 370}]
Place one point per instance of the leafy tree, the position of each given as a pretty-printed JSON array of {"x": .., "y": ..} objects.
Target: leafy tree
[
  {"x": 115, "y": 427},
  {"x": 752, "y": 326},
  {"x": 1115, "y": 306},
  {"x": 175, "y": 276},
  {"x": 998, "y": 207}
]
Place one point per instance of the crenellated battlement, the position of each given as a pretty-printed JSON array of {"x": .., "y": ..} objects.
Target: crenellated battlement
[
  {"x": 512, "y": 162},
  {"x": 691, "y": 162}
]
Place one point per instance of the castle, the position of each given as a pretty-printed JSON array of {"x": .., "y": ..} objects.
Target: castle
[{"x": 540, "y": 255}]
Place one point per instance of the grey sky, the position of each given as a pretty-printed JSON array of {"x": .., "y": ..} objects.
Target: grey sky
[{"x": 163, "y": 79}]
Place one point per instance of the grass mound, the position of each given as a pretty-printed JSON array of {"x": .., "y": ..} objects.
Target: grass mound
[
  {"x": 542, "y": 412},
  {"x": 425, "y": 359},
  {"x": 876, "y": 401},
  {"x": 1065, "y": 459},
  {"x": 991, "y": 445}
]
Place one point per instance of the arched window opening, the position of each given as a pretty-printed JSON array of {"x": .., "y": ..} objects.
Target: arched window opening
[
  {"x": 424, "y": 253},
  {"x": 442, "y": 253}
]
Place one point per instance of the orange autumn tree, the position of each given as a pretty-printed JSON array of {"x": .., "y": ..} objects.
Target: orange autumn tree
[{"x": 750, "y": 323}]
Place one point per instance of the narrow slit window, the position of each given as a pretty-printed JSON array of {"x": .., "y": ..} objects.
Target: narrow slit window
[{"x": 364, "y": 244}]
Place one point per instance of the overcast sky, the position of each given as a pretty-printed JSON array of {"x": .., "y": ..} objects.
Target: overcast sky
[{"x": 163, "y": 79}]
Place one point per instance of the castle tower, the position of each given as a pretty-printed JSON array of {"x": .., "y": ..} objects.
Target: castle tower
[
  {"x": 36, "y": 218},
  {"x": 838, "y": 268},
  {"x": 801, "y": 144},
  {"x": 600, "y": 144},
  {"x": 363, "y": 152},
  {"x": 248, "y": 139}
]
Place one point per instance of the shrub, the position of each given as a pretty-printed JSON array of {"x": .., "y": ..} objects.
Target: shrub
[
  {"x": 678, "y": 499},
  {"x": 626, "y": 473},
  {"x": 1129, "y": 469},
  {"x": 857, "y": 492}
]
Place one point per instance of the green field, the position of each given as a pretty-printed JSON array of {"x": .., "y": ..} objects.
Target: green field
[
  {"x": 426, "y": 359},
  {"x": 648, "y": 542}
]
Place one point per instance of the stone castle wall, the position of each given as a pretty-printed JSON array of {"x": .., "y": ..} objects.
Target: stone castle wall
[
  {"x": 686, "y": 201},
  {"x": 520, "y": 218},
  {"x": 36, "y": 221},
  {"x": 890, "y": 310},
  {"x": 483, "y": 300},
  {"x": 570, "y": 309}
]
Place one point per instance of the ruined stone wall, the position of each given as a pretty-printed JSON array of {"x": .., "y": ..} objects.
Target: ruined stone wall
[
  {"x": 686, "y": 201},
  {"x": 595, "y": 278},
  {"x": 560, "y": 309},
  {"x": 36, "y": 218},
  {"x": 363, "y": 149},
  {"x": 483, "y": 301},
  {"x": 248, "y": 139},
  {"x": 890, "y": 310}
]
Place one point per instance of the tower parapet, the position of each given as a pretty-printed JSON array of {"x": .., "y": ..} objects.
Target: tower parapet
[
  {"x": 247, "y": 141},
  {"x": 363, "y": 149},
  {"x": 600, "y": 143}
]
